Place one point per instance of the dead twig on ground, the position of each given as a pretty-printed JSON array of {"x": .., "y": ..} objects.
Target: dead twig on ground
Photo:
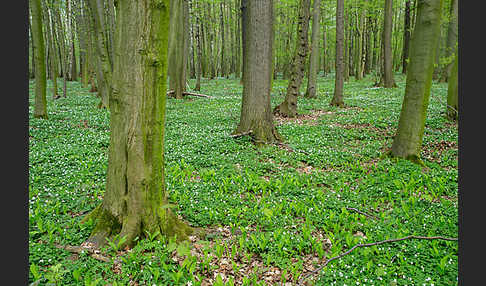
[{"x": 371, "y": 244}]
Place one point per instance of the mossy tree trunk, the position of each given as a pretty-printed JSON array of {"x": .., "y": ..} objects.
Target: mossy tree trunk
[
  {"x": 452, "y": 92},
  {"x": 256, "y": 111},
  {"x": 52, "y": 51},
  {"x": 408, "y": 139},
  {"x": 311, "y": 91},
  {"x": 337, "y": 99},
  {"x": 40, "y": 105},
  {"x": 136, "y": 200},
  {"x": 288, "y": 108}
]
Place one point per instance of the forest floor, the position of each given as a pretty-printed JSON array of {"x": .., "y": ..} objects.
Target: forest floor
[{"x": 272, "y": 214}]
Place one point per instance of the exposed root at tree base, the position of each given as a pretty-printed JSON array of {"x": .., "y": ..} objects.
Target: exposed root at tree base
[{"x": 108, "y": 227}]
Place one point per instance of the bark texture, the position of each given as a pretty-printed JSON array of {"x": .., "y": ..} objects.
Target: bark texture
[
  {"x": 40, "y": 105},
  {"x": 288, "y": 108},
  {"x": 136, "y": 199},
  {"x": 256, "y": 114},
  {"x": 408, "y": 139}
]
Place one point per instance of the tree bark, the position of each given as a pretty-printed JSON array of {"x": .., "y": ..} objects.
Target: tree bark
[
  {"x": 311, "y": 91},
  {"x": 288, "y": 108},
  {"x": 256, "y": 113},
  {"x": 40, "y": 105},
  {"x": 337, "y": 99},
  {"x": 408, "y": 139},
  {"x": 199, "y": 54},
  {"x": 136, "y": 199}
]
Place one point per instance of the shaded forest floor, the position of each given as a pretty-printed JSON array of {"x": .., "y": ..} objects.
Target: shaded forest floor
[{"x": 272, "y": 213}]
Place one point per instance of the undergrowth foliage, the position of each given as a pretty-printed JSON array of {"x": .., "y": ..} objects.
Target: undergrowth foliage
[{"x": 273, "y": 213}]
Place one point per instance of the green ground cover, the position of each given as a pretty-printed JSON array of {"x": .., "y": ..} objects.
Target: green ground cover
[{"x": 273, "y": 213}]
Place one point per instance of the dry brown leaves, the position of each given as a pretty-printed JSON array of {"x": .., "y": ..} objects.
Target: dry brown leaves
[{"x": 242, "y": 265}]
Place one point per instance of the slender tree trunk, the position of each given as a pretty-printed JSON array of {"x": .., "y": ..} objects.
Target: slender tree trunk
[
  {"x": 244, "y": 25},
  {"x": 452, "y": 92},
  {"x": 360, "y": 39},
  {"x": 101, "y": 43},
  {"x": 387, "y": 75},
  {"x": 136, "y": 199},
  {"x": 408, "y": 140},
  {"x": 177, "y": 48},
  {"x": 406, "y": 37},
  {"x": 256, "y": 113},
  {"x": 288, "y": 108},
  {"x": 199, "y": 54},
  {"x": 311, "y": 91},
  {"x": 452, "y": 32},
  {"x": 52, "y": 49},
  {"x": 40, "y": 105},
  {"x": 337, "y": 99}
]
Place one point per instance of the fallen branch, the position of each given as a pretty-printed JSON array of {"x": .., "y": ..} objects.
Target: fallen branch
[
  {"x": 171, "y": 92},
  {"x": 360, "y": 212},
  {"x": 372, "y": 244}
]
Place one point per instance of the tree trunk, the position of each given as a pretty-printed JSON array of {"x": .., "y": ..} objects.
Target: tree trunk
[
  {"x": 40, "y": 105},
  {"x": 288, "y": 108},
  {"x": 451, "y": 40},
  {"x": 244, "y": 28},
  {"x": 53, "y": 57},
  {"x": 408, "y": 140},
  {"x": 101, "y": 42},
  {"x": 452, "y": 92},
  {"x": 387, "y": 75},
  {"x": 406, "y": 37},
  {"x": 199, "y": 54},
  {"x": 136, "y": 200},
  {"x": 337, "y": 99},
  {"x": 311, "y": 91},
  {"x": 177, "y": 60},
  {"x": 256, "y": 113}
]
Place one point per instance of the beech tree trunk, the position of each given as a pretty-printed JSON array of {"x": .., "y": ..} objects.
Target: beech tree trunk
[
  {"x": 408, "y": 140},
  {"x": 311, "y": 91},
  {"x": 337, "y": 99},
  {"x": 256, "y": 111},
  {"x": 40, "y": 105},
  {"x": 288, "y": 108},
  {"x": 136, "y": 200}
]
